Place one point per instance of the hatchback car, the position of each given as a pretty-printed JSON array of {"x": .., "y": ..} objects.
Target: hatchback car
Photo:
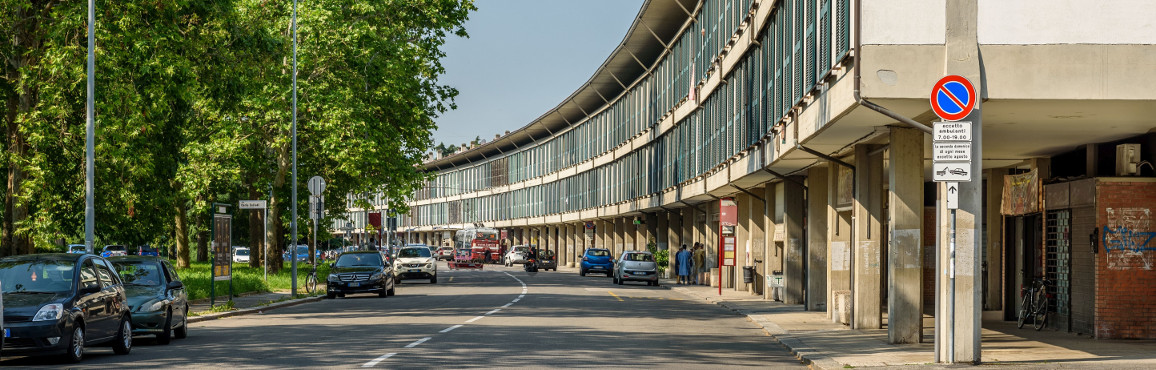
[
  {"x": 156, "y": 297},
  {"x": 516, "y": 255},
  {"x": 77, "y": 248},
  {"x": 547, "y": 260},
  {"x": 415, "y": 262},
  {"x": 596, "y": 260},
  {"x": 445, "y": 253},
  {"x": 241, "y": 255},
  {"x": 636, "y": 266},
  {"x": 359, "y": 272},
  {"x": 60, "y": 303},
  {"x": 113, "y": 251}
]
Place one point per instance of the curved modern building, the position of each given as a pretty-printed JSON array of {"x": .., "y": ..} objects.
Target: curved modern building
[{"x": 794, "y": 137}]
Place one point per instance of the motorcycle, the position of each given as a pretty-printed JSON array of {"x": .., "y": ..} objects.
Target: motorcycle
[{"x": 531, "y": 265}]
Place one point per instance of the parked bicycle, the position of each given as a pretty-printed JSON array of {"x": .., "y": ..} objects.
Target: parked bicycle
[
  {"x": 1034, "y": 304},
  {"x": 311, "y": 280}
]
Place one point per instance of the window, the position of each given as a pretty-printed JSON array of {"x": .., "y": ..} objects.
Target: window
[
  {"x": 88, "y": 274},
  {"x": 107, "y": 277}
]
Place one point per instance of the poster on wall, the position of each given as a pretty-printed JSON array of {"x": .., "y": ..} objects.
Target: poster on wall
[{"x": 1021, "y": 194}]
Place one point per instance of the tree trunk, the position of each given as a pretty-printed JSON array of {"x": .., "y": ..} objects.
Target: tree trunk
[
  {"x": 256, "y": 232},
  {"x": 202, "y": 238},
  {"x": 276, "y": 230},
  {"x": 182, "y": 236}
]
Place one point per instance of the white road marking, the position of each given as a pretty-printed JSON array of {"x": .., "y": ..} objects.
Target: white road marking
[
  {"x": 474, "y": 319},
  {"x": 493, "y": 311},
  {"x": 377, "y": 360},
  {"x": 418, "y": 342},
  {"x": 447, "y": 330},
  {"x": 516, "y": 300},
  {"x": 508, "y": 304}
]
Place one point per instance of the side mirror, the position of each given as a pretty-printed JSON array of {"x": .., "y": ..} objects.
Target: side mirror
[
  {"x": 176, "y": 285},
  {"x": 90, "y": 288},
  {"x": 333, "y": 265}
]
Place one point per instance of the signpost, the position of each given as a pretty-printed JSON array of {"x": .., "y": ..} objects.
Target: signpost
[
  {"x": 952, "y": 99},
  {"x": 222, "y": 232},
  {"x": 728, "y": 212},
  {"x": 261, "y": 205},
  {"x": 316, "y": 210}
]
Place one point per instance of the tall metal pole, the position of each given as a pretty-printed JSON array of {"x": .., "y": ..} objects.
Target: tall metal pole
[
  {"x": 293, "y": 248},
  {"x": 90, "y": 132}
]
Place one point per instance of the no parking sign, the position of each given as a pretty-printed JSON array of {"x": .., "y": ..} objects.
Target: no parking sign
[{"x": 953, "y": 98}]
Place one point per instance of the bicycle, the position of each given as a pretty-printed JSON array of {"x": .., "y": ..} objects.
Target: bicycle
[
  {"x": 1034, "y": 304},
  {"x": 311, "y": 281}
]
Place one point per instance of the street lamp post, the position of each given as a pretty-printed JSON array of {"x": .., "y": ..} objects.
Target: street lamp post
[
  {"x": 90, "y": 132},
  {"x": 293, "y": 247}
]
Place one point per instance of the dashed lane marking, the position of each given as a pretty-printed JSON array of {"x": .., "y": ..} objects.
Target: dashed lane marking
[
  {"x": 615, "y": 296},
  {"x": 379, "y": 359},
  {"x": 418, "y": 342},
  {"x": 447, "y": 330},
  {"x": 493, "y": 311},
  {"x": 474, "y": 319}
]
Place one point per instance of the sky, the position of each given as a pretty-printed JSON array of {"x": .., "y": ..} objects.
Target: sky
[{"x": 522, "y": 58}]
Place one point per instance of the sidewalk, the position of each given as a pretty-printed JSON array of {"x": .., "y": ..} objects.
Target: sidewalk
[
  {"x": 199, "y": 310},
  {"x": 813, "y": 338}
]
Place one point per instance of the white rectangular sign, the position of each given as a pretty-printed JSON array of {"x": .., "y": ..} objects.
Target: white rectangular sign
[
  {"x": 951, "y": 131},
  {"x": 251, "y": 204},
  {"x": 951, "y": 171},
  {"x": 953, "y": 195},
  {"x": 951, "y": 152}
]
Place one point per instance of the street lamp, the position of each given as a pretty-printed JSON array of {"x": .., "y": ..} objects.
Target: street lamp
[{"x": 293, "y": 248}]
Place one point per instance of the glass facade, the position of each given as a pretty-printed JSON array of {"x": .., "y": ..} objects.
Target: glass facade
[{"x": 801, "y": 41}]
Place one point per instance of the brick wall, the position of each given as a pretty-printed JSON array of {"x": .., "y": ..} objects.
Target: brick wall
[{"x": 1126, "y": 258}]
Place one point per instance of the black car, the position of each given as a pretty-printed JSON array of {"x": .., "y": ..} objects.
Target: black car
[
  {"x": 156, "y": 297},
  {"x": 359, "y": 272},
  {"x": 58, "y": 303},
  {"x": 547, "y": 260}
]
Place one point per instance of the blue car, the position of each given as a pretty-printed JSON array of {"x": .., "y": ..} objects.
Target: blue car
[{"x": 596, "y": 260}]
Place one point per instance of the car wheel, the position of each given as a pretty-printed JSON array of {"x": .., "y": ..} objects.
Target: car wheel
[
  {"x": 76, "y": 345},
  {"x": 397, "y": 280},
  {"x": 331, "y": 295},
  {"x": 123, "y": 344},
  {"x": 620, "y": 281},
  {"x": 182, "y": 332},
  {"x": 383, "y": 293},
  {"x": 166, "y": 335},
  {"x": 433, "y": 280},
  {"x": 391, "y": 291},
  {"x": 581, "y": 272}
]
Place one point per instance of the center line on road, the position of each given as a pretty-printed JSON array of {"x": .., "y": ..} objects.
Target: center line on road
[
  {"x": 493, "y": 311},
  {"x": 377, "y": 360},
  {"x": 474, "y": 319},
  {"x": 615, "y": 296},
  {"x": 447, "y": 330},
  {"x": 418, "y": 342},
  {"x": 507, "y": 305},
  {"x": 516, "y": 300}
]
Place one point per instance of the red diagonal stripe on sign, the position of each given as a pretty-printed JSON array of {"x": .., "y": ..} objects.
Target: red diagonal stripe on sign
[{"x": 962, "y": 107}]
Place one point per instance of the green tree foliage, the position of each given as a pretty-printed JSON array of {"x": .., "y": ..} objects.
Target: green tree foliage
[{"x": 193, "y": 106}]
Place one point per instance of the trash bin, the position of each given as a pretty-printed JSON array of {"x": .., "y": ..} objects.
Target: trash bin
[{"x": 748, "y": 274}]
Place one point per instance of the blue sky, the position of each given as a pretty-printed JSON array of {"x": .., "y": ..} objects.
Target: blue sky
[{"x": 522, "y": 58}]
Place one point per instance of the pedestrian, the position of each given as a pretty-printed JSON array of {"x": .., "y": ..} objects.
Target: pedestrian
[
  {"x": 684, "y": 267},
  {"x": 699, "y": 258}
]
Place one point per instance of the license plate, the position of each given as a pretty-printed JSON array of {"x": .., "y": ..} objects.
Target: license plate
[
  {"x": 354, "y": 285},
  {"x": 7, "y": 333},
  {"x": 414, "y": 270}
]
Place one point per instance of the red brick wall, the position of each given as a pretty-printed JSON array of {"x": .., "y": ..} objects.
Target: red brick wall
[{"x": 1126, "y": 259}]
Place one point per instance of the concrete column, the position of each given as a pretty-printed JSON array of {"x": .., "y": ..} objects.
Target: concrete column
[
  {"x": 867, "y": 265},
  {"x": 556, "y": 239},
  {"x": 793, "y": 275},
  {"x": 756, "y": 228},
  {"x": 661, "y": 230},
  {"x": 629, "y": 235},
  {"x": 599, "y": 234},
  {"x": 742, "y": 240},
  {"x": 817, "y": 208},
  {"x": 773, "y": 260},
  {"x": 993, "y": 292},
  {"x": 619, "y": 236},
  {"x": 905, "y": 247},
  {"x": 653, "y": 221},
  {"x": 686, "y": 234},
  {"x": 567, "y": 251}
]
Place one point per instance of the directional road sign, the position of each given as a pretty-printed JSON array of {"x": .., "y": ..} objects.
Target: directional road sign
[
  {"x": 316, "y": 185},
  {"x": 952, "y": 171},
  {"x": 953, "y": 195},
  {"x": 953, "y": 98}
]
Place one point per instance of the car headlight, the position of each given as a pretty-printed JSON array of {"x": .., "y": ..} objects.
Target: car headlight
[
  {"x": 376, "y": 276},
  {"x": 333, "y": 277},
  {"x": 152, "y": 306},
  {"x": 51, "y": 311},
  {"x": 428, "y": 265}
]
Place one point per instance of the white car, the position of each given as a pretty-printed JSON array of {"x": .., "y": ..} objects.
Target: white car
[
  {"x": 241, "y": 255},
  {"x": 516, "y": 255},
  {"x": 415, "y": 263}
]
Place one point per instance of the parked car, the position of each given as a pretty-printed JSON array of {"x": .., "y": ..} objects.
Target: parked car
[
  {"x": 241, "y": 255},
  {"x": 636, "y": 266},
  {"x": 59, "y": 303},
  {"x": 547, "y": 260},
  {"x": 415, "y": 262},
  {"x": 156, "y": 297},
  {"x": 143, "y": 250},
  {"x": 360, "y": 272},
  {"x": 77, "y": 248},
  {"x": 516, "y": 255},
  {"x": 596, "y": 259},
  {"x": 113, "y": 251},
  {"x": 302, "y": 254},
  {"x": 445, "y": 253}
]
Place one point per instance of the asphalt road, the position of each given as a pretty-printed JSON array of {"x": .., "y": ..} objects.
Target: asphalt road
[{"x": 499, "y": 317}]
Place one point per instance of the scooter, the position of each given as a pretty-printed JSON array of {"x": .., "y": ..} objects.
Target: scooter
[{"x": 531, "y": 265}]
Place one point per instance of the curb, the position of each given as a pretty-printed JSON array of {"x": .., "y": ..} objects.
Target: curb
[
  {"x": 246, "y": 311},
  {"x": 809, "y": 356}
]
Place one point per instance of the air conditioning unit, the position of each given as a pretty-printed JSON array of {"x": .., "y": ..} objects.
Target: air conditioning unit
[{"x": 1127, "y": 159}]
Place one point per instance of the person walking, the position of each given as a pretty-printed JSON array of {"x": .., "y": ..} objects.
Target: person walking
[
  {"x": 699, "y": 258},
  {"x": 684, "y": 267}
]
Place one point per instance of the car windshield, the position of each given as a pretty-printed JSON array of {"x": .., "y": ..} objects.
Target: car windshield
[
  {"x": 598, "y": 252},
  {"x": 302, "y": 249},
  {"x": 359, "y": 260},
  {"x": 639, "y": 257},
  {"x": 139, "y": 272},
  {"x": 79, "y": 248},
  {"x": 413, "y": 253},
  {"x": 242, "y": 252},
  {"x": 487, "y": 236},
  {"x": 43, "y": 276},
  {"x": 114, "y": 248}
]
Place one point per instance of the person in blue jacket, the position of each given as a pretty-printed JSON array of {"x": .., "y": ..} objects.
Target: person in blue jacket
[{"x": 683, "y": 259}]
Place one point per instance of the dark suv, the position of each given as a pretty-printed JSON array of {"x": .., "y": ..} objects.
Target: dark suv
[
  {"x": 596, "y": 260},
  {"x": 59, "y": 303},
  {"x": 360, "y": 272}
]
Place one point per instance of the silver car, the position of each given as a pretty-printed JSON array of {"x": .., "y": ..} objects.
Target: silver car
[{"x": 636, "y": 266}]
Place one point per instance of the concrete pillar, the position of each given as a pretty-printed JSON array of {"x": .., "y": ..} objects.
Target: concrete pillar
[
  {"x": 556, "y": 239},
  {"x": 867, "y": 265},
  {"x": 742, "y": 240},
  {"x": 994, "y": 290},
  {"x": 629, "y": 235},
  {"x": 817, "y": 208},
  {"x": 653, "y": 221},
  {"x": 567, "y": 250},
  {"x": 619, "y": 236},
  {"x": 905, "y": 245},
  {"x": 773, "y": 260},
  {"x": 793, "y": 275},
  {"x": 686, "y": 232},
  {"x": 756, "y": 228},
  {"x": 600, "y": 234},
  {"x": 661, "y": 230}
]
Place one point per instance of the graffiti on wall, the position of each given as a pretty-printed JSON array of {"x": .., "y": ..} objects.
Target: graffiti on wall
[
  {"x": 1021, "y": 194},
  {"x": 1128, "y": 239}
]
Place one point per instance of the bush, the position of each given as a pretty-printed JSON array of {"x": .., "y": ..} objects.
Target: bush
[
  {"x": 245, "y": 279},
  {"x": 661, "y": 257}
]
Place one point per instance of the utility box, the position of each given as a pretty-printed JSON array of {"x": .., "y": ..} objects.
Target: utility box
[{"x": 1127, "y": 159}]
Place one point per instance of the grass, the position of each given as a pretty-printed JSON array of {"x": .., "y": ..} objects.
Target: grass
[{"x": 246, "y": 279}]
